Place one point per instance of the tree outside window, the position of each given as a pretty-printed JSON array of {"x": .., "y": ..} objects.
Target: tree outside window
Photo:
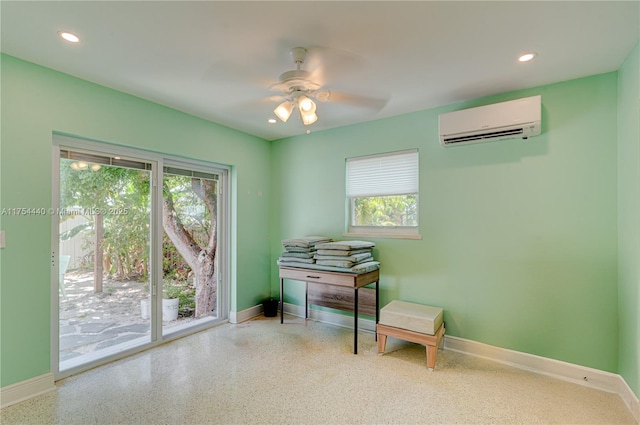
[{"x": 382, "y": 193}]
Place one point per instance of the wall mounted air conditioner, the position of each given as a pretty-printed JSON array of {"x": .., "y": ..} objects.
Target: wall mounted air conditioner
[{"x": 518, "y": 118}]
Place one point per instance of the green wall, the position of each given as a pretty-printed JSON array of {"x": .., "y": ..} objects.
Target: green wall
[
  {"x": 37, "y": 101},
  {"x": 519, "y": 239},
  {"x": 523, "y": 243},
  {"x": 629, "y": 219}
]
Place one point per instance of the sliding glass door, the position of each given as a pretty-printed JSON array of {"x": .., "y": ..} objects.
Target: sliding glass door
[
  {"x": 104, "y": 225},
  {"x": 190, "y": 265},
  {"x": 139, "y": 248}
]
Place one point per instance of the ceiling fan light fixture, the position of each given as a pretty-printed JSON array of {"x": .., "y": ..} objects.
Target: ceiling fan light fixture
[
  {"x": 299, "y": 87},
  {"x": 307, "y": 109},
  {"x": 284, "y": 110},
  {"x": 306, "y": 105},
  {"x": 308, "y": 119}
]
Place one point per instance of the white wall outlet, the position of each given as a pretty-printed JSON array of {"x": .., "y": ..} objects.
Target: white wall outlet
[{"x": 1, "y": 238}]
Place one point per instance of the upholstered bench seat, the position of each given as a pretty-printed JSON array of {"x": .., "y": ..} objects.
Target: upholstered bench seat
[{"x": 412, "y": 322}]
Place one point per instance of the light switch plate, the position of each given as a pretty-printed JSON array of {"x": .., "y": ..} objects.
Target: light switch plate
[{"x": 1, "y": 238}]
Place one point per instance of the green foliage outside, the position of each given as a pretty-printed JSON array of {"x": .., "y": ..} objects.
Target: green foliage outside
[
  {"x": 124, "y": 195},
  {"x": 174, "y": 267},
  {"x": 386, "y": 211}
]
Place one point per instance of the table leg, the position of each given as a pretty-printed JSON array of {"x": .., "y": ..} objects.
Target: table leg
[
  {"x": 377, "y": 307},
  {"x": 281, "y": 300},
  {"x": 306, "y": 300},
  {"x": 355, "y": 321}
]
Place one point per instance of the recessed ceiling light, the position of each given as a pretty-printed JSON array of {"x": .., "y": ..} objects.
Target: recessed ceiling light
[
  {"x": 71, "y": 38},
  {"x": 272, "y": 121},
  {"x": 526, "y": 57}
]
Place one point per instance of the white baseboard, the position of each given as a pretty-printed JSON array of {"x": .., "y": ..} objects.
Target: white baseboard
[
  {"x": 244, "y": 315},
  {"x": 20, "y": 391},
  {"x": 330, "y": 318},
  {"x": 629, "y": 398},
  {"x": 296, "y": 310},
  {"x": 594, "y": 378},
  {"x": 566, "y": 371},
  {"x": 582, "y": 375}
]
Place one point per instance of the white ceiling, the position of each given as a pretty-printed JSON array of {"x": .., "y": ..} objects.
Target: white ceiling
[{"x": 217, "y": 60}]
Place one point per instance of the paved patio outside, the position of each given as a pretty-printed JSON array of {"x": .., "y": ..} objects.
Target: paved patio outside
[{"x": 92, "y": 321}]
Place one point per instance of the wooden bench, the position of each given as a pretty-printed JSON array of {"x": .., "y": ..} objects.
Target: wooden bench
[{"x": 412, "y": 322}]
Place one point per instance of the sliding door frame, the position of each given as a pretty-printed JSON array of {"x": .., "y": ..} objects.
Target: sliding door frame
[
  {"x": 158, "y": 162},
  {"x": 223, "y": 297}
]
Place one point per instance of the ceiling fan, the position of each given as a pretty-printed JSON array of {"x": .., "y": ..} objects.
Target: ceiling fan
[{"x": 300, "y": 88}]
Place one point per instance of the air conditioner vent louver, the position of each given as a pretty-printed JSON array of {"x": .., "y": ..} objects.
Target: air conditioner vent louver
[
  {"x": 518, "y": 118},
  {"x": 491, "y": 135}
]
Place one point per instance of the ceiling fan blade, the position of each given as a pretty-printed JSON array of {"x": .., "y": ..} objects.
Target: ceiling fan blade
[
  {"x": 369, "y": 102},
  {"x": 278, "y": 86},
  {"x": 328, "y": 64},
  {"x": 277, "y": 98}
]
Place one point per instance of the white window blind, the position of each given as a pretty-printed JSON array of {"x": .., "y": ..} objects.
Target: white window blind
[{"x": 394, "y": 173}]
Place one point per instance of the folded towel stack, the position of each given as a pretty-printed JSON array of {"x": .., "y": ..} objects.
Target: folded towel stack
[
  {"x": 343, "y": 253},
  {"x": 302, "y": 250}
]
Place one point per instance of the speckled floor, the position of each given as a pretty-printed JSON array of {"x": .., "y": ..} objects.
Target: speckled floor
[{"x": 262, "y": 372}]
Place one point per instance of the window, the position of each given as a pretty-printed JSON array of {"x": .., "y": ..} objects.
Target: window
[{"x": 382, "y": 195}]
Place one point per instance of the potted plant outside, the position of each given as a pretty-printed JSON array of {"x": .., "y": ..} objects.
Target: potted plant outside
[{"x": 170, "y": 302}]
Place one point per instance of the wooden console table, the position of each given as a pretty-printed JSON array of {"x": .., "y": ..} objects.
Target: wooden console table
[{"x": 338, "y": 279}]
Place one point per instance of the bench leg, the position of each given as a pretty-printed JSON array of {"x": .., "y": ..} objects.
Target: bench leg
[
  {"x": 432, "y": 342},
  {"x": 432, "y": 352},
  {"x": 382, "y": 343}
]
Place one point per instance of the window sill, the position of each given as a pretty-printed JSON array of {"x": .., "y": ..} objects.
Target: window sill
[{"x": 383, "y": 235}]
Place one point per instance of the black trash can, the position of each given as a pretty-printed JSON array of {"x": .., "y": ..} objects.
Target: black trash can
[{"x": 270, "y": 307}]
